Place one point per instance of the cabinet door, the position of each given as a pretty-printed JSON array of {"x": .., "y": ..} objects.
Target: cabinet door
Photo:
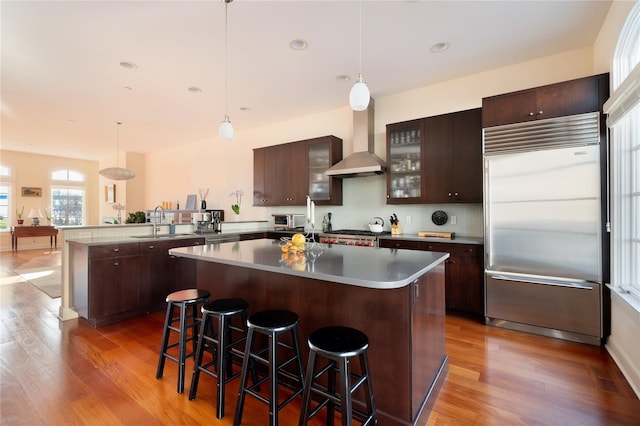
[
  {"x": 292, "y": 173},
  {"x": 467, "y": 157},
  {"x": 400, "y": 244},
  {"x": 464, "y": 279},
  {"x": 439, "y": 159},
  {"x": 510, "y": 108},
  {"x": 405, "y": 159},
  {"x": 323, "y": 153},
  {"x": 114, "y": 286},
  {"x": 265, "y": 178},
  {"x": 567, "y": 98}
]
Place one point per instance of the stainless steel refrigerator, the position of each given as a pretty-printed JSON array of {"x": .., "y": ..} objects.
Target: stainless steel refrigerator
[{"x": 543, "y": 238}]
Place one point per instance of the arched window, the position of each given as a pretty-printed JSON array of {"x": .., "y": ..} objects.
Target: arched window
[
  {"x": 5, "y": 197},
  {"x": 623, "y": 109},
  {"x": 68, "y": 198}
]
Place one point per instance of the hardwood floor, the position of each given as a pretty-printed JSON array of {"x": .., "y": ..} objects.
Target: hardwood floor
[{"x": 56, "y": 373}]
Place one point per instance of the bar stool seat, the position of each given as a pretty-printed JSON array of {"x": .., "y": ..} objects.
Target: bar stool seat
[
  {"x": 273, "y": 324},
  {"x": 219, "y": 338},
  {"x": 184, "y": 300},
  {"x": 338, "y": 344}
]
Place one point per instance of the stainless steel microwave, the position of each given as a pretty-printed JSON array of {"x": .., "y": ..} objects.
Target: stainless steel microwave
[{"x": 289, "y": 221}]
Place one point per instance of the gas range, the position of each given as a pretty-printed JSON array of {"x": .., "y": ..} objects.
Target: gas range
[{"x": 352, "y": 237}]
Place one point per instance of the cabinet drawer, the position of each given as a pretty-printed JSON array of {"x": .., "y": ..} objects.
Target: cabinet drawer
[
  {"x": 114, "y": 250},
  {"x": 412, "y": 245},
  {"x": 154, "y": 247},
  {"x": 455, "y": 249}
]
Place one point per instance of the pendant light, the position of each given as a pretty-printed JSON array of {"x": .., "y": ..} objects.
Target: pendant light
[
  {"x": 359, "y": 95},
  {"x": 226, "y": 129},
  {"x": 117, "y": 173}
]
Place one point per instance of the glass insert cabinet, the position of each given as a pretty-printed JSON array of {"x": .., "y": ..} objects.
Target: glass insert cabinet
[{"x": 405, "y": 161}]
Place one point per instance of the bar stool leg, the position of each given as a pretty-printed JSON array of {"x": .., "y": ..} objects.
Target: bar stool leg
[
  {"x": 306, "y": 395},
  {"x": 345, "y": 391},
  {"x": 195, "y": 377},
  {"x": 223, "y": 359},
  {"x": 243, "y": 378},
  {"x": 182, "y": 349},
  {"x": 331, "y": 387},
  {"x": 165, "y": 340},
  {"x": 371, "y": 405},
  {"x": 273, "y": 382}
]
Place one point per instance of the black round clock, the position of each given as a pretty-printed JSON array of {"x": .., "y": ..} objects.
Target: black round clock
[{"x": 439, "y": 217}]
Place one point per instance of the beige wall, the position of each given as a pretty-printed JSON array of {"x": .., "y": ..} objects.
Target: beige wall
[
  {"x": 224, "y": 166},
  {"x": 35, "y": 170}
]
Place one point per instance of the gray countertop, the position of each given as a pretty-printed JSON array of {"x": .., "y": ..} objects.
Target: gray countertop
[{"x": 378, "y": 268}]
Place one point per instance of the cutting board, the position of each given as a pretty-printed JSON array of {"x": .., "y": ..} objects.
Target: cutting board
[{"x": 437, "y": 234}]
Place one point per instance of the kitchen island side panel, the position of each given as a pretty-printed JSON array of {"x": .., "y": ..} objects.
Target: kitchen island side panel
[{"x": 405, "y": 327}]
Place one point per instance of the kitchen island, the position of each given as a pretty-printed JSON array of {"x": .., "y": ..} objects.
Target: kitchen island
[{"x": 396, "y": 297}]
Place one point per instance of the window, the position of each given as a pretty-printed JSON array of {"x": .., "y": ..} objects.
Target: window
[
  {"x": 623, "y": 110},
  {"x": 5, "y": 198},
  {"x": 67, "y": 198}
]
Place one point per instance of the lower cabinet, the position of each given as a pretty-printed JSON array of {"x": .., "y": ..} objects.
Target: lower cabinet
[
  {"x": 464, "y": 272},
  {"x": 113, "y": 282}
]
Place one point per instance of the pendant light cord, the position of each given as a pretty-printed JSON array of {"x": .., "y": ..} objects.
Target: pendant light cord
[
  {"x": 226, "y": 61},
  {"x": 360, "y": 38},
  {"x": 118, "y": 144}
]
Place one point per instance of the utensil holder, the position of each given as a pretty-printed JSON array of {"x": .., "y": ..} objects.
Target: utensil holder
[{"x": 396, "y": 229}]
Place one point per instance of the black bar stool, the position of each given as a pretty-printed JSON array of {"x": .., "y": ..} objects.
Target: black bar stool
[
  {"x": 219, "y": 339},
  {"x": 185, "y": 301},
  {"x": 338, "y": 344},
  {"x": 271, "y": 323}
]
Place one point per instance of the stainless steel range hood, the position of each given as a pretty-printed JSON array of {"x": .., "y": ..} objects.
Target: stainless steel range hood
[{"x": 363, "y": 161}]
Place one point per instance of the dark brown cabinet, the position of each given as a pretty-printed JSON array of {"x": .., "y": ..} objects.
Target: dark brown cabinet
[
  {"x": 464, "y": 272},
  {"x": 113, "y": 282},
  {"x": 283, "y": 175},
  {"x": 453, "y": 157},
  {"x": 162, "y": 273},
  {"x": 265, "y": 185},
  {"x": 554, "y": 100},
  {"x": 436, "y": 159}
]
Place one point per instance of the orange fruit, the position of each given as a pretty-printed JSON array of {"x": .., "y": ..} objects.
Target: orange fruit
[{"x": 298, "y": 239}]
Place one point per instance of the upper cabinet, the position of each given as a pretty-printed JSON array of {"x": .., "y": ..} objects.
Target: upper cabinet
[
  {"x": 453, "y": 157},
  {"x": 283, "y": 175},
  {"x": 323, "y": 153},
  {"x": 436, "y": 159},
  {"x": 404, "y": 162},
  {"x": 553, "y": 100}
]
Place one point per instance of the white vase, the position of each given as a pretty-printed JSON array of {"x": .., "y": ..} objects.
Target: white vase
[{"x": 236, "y": 217}]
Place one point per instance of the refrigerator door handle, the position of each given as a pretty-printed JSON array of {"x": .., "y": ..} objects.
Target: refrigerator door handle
[{"x": 580, "y": 284}]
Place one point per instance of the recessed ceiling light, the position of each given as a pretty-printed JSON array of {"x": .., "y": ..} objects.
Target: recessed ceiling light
[
  {"x": 194, "y": 89},
  {"x": 128, "y": 65},
  {"x": 343, "y": 78},
  {"x": 298, "y": 44},
  {"x": 245, "y": 108},
  {"x": 128, "y": 88},
  {"x": 439, "y": 47}
]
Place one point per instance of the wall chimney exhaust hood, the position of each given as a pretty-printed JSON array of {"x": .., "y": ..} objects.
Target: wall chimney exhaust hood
[{"x": 363, "y": 161}]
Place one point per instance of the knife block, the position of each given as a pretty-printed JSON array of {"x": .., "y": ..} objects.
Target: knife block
[{"x": 396, "y": 229}]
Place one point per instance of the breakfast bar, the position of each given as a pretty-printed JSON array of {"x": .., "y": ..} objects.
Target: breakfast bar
[{"x": 396, "y": 297}]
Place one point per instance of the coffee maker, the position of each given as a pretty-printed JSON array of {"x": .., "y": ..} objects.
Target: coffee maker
[{"x": 216, "y": 219}]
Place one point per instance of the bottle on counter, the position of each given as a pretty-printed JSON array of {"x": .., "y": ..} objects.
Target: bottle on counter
[{"x": 172, "y": 228}]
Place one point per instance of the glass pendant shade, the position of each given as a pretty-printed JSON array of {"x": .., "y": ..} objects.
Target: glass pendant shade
[
  {"x": 359, "y": 95},
  {"x": 226, "y": 129},
  {"x": 117, "y": 173}
]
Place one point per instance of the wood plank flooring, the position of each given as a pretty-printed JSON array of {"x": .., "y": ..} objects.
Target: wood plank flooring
[{"x": 54, "y": 373}]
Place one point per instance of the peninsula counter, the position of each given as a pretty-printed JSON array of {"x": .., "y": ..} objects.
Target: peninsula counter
[{"x": 396, "y": 297}]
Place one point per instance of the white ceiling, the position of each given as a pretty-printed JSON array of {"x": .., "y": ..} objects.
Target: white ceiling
[{"x": 62, "y": 86}]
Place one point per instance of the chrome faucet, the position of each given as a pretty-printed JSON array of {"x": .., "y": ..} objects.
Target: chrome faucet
[{"x": 155, "y": 219}]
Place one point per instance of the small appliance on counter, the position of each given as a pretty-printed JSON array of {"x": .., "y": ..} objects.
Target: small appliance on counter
[
  {"x": 288, "y": 221},
  {"x": 210, "y": 221}
]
